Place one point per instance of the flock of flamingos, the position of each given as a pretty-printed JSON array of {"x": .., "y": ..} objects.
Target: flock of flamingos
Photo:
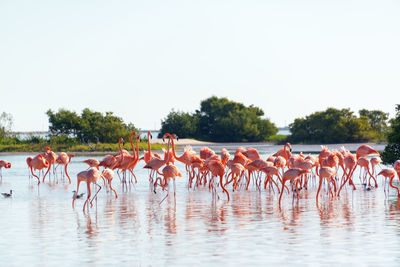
[{"x": 207, "y": 169}]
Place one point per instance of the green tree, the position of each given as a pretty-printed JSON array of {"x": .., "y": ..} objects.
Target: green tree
[
  {"x": 392, "y": 150},
  {"x": 378, "y": 121},
  {"x": 64, "y": 122},
  {"x": 329, "y": 126},
  {"x": 222, "y": 120},
  {"x": 6, "y": 122},
  {"x": 90, "y": 126},
  {"x": 227, "y": 121},
  {"x": 182, "y": 124}
]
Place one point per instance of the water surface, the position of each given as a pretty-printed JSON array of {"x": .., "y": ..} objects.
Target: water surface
[{"x": 39, "y": 226}]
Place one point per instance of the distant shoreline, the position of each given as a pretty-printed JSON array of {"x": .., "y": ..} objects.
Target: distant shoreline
[{"x": 263, "y": 147}]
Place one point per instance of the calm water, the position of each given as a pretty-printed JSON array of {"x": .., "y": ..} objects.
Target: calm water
[{"x": 39, "y": 227}]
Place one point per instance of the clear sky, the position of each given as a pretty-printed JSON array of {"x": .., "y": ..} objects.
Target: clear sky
[{"x": 140, "y": 59}]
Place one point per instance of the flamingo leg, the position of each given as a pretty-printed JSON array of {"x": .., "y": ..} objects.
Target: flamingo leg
[
  {"x": 88, "y": 197},
  {"x": 48, "y": 169},
  {"x": 35, "y": 175},
  {"x": 95, "y": 195},
  {"x": 66, "y": 172}
]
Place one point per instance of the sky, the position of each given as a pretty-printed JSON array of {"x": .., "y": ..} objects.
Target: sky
[{"x": 141, "y": 59}]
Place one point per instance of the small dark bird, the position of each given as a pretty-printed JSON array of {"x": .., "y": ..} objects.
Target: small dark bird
[
  {"x": 7, "y": 194},
  {"x": 78, "y": 196}
]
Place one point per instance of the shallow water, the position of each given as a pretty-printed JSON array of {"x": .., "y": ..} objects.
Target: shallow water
[{"x": 39, "y": 226}]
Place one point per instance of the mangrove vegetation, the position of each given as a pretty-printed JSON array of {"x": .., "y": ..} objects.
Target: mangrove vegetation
[
  {"x": 220, "y": 120},
  {"x": 392, "y": 150},
  {"x": 339, "y": 126}
]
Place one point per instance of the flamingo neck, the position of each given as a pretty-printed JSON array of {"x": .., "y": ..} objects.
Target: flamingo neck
[
  {"x": 120, "y": 149},
  {"x": 167, "y": 156},
  {"x": 148, "y": 142},
  {"x": 173, "y": 149},
  {"x": 133, "y": 148},
  {"x": 284, "y": 151},
  {"x": 137, "y": 148}
]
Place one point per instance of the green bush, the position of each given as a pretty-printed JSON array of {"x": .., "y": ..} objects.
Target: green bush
[
  {"x": 220, "y": 120},
  {"x": 392, "y": 150},
  {"x": 338, "y": 126}
]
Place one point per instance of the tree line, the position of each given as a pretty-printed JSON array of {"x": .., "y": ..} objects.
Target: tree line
[{"x": 89, "y": 126}]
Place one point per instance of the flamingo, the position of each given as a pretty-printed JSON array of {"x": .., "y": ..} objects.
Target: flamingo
[
  {"x": 270, "y": 171},
  {"x": 218, "y": 169},
  {"x": 396, "y": 167},
  {"x": 89, "y": 176},
  {"x": 325, "y": 152},
  {"x": 251, "y": 153},
  {"x": 111, "y": 161},
  {"x": 327, "y": 173},
  {"x": 236, "y": 171},
  {"x": 168, "y": 172},
  {"x": 132, "y": 164},
  {"x": 365, "y": 150},
  {"x": 364, "y": 163},
  {"x": 108, "y": 174},
  {"x": 350, "y": 164},
  {"x": 148, "y": 155},
  {"x": 92, "y": 163},
  {"x": 63, "y": 159},
  {"x": 38, "y": 163},
  {"x": 389, "y": 173},
  {"x": 292, "y": 175},
  {"x": 51, "y": 158},
  {"x": 206, "y": 152},
  {"x": 156, "y": 163},
  {"x": 256, "y": 165},
  {"x": 283, "y": 152},
  {"x": 374, "y": 162},
  {"x": 4, "y": 164}
]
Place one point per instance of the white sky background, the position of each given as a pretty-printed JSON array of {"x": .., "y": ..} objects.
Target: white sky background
[{"x": 140, "y": 59}]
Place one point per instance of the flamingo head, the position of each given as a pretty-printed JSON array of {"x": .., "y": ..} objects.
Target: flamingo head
[{"x": 289, "y": 146}]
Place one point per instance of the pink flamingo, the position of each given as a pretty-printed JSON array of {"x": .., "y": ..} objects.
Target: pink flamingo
[
  {"x": 389, "y": 173},
  {"x": 350, "y": 164},
  {"x": 63, "y": 159},
  {"x": 92, "y": 163},
  {"x": 327, "y": 173},
  {"x": 156, "y": 163},
  {"x": 365, "y": 150},
  {"x": 109, "y": 176},
  {"x": 51, "y": 158},
  {"x": 4, "y": 164},
  {"x": 251, "y": 153},
  {"x": 364, "y": 163},
  {"x": 148, "y": 155},
  {"x": 168, "y": 172},
  {"x": 218, "y": 169},
  {"x": 255, "y": 165},
  {"x": 270, "y": 171},
  {"x": 111, "y": 161},
  {"x": 236, "y": 171},
  {"x": 396, "y": 167},
  {"x": 284, "y": 152},
  {"x": 89, "y": 176},
  {"x": 375, "y": 161},
  {"x": 292, "y": 175},
  {"x": 38, "y": 163}
]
